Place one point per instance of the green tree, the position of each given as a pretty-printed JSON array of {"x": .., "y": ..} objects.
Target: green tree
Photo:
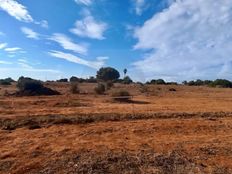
[
  {"x": 107, "y": 74},
  {"x": 125, "y": 71}
]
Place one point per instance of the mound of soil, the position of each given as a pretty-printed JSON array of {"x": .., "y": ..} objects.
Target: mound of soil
[{"x": 37, "y": 92}]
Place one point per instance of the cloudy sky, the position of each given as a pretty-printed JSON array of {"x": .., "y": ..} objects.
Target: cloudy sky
[{"x": 171, "y": 39}]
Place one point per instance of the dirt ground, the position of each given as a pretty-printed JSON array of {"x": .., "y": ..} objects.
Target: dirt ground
[{"x": 160, "y": 131}]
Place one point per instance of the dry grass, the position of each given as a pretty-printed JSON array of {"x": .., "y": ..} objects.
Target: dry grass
[{"x": 161, "y": 131}]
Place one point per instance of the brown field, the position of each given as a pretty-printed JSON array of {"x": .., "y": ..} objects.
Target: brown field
[{"x": 160, "y": 131}]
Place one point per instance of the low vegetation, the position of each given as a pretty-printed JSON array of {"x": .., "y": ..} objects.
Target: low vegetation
[
  {"x": 74, "y": 89},
  {"x": 6, "y": 81},
  {"x": 121, "y": 95},
  {"x": 31, "y": 87},
  {"x": 222, "y": 83},
  {"x": 100, "y": 89}
]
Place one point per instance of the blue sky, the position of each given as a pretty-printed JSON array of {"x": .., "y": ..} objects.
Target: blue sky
[{"x": 171, "y": 39}]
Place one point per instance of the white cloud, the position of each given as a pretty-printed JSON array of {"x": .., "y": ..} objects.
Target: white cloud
[
  {"x": 190, "y": 39},
  {"x": 68, "y": 44},
  {"x": 139, "y": 5},
  {"x": 16, "y": 10},
  {"x": 85, "y": 2},
  {"x": 3, "y": 45},
  {"x": 102, "y": 58},
  {"x": 1, "y": 33},
  {"x": 25, "y": 65},
  {"x": 89, "y": 27},
  {"x": 22, "y": 60},
  {"x": 5, "y": 62},
  {"x": 13, "y": 49},
  {"x": 44, "y": 24},
  {"x": 72, "y": 58},
  {"x": 30, "y": 33}
]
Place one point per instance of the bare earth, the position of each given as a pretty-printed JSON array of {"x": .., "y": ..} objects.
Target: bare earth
[{"x": 160, "y": 131}]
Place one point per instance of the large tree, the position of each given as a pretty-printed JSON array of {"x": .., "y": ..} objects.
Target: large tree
[{"x": 107, "y": 74}]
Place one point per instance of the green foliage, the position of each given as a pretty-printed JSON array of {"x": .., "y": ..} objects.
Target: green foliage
[
  {"x": 157, "y": 82},
  {"x": 6, "y": 81},
  {"x": 223, "y": 83},
  {"x": 127, "y": 80},
  {"x": 100, "y": 88},
  {"x": 31, "y": 87},
  {"x": 26, "y": 83},
  {"x": 74, "y": 79},
  {"x": 62, "y": 80},
  {"x": 107, "y": 74},
  {"x": 125, "y": 71}
]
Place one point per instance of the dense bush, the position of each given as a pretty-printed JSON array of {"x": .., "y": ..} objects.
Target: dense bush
[
  {"x": 74, "y": 79},
  {"x": 62, "y": 80},
  {"x": 74, "y": 89},
  {"x": 157, "y": 82},
  {"x": 127, "y": 80},
  {"x": 81, "y": 80},
  {"x": 107, "y": 74},
  {"x": 100, "y": 88},
  {"x": 6, "y": 81},
  {"x": 31, "y": 87},
  {"x": 26, "y": 83},
  {"x": 221, "y": 83}
]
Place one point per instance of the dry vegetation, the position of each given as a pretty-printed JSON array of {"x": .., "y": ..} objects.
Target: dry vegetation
[{"x": 163, "y": 129}]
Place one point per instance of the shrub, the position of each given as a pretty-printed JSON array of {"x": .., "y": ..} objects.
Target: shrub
[
  {"x": 74, "y": 79},
  {"x": 121, "y": 95},
  {"x": 221, "y": 83},
  {"x": 157, "y": 82},
  {"x": 100, "y": 88},
  {"x": 109, "y": 85},
  {"x": 6, "y": 81},
  {"x": 25, "y": 83},
  {"x": 127, "y": 80},
  {"x": 74, "y": 88},
  {"x": 62, "y": 80},
  {"x": 31, "y": 87}
]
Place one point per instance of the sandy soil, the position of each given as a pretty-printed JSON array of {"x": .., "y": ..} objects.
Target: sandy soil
[{"x": 161, "y": 131}]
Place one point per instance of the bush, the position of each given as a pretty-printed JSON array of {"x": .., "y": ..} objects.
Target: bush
[
  {"x": 74, "y": 88},
  {"x": 6, "y": 81},
  {"x": 74, "y": 79},
  {"x": 127, "y": 80},
  {"x": 121, "y": 95},
  {"x": 109, "y": 85},
  {"x": 25, "y": 83},
  {"x": 31, "y": 87},
  {"x": 221, "y": 83},
  {"x": 157, "y": 82},
  {"x": 100, "y": 88},
  {"x": 62, "y": 80}
]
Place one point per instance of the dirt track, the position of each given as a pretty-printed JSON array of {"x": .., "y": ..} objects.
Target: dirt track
[{"x": 162, "y": 132}]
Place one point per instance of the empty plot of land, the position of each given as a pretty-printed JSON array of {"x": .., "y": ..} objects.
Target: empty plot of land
[{"x": 159, "y": 131}]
